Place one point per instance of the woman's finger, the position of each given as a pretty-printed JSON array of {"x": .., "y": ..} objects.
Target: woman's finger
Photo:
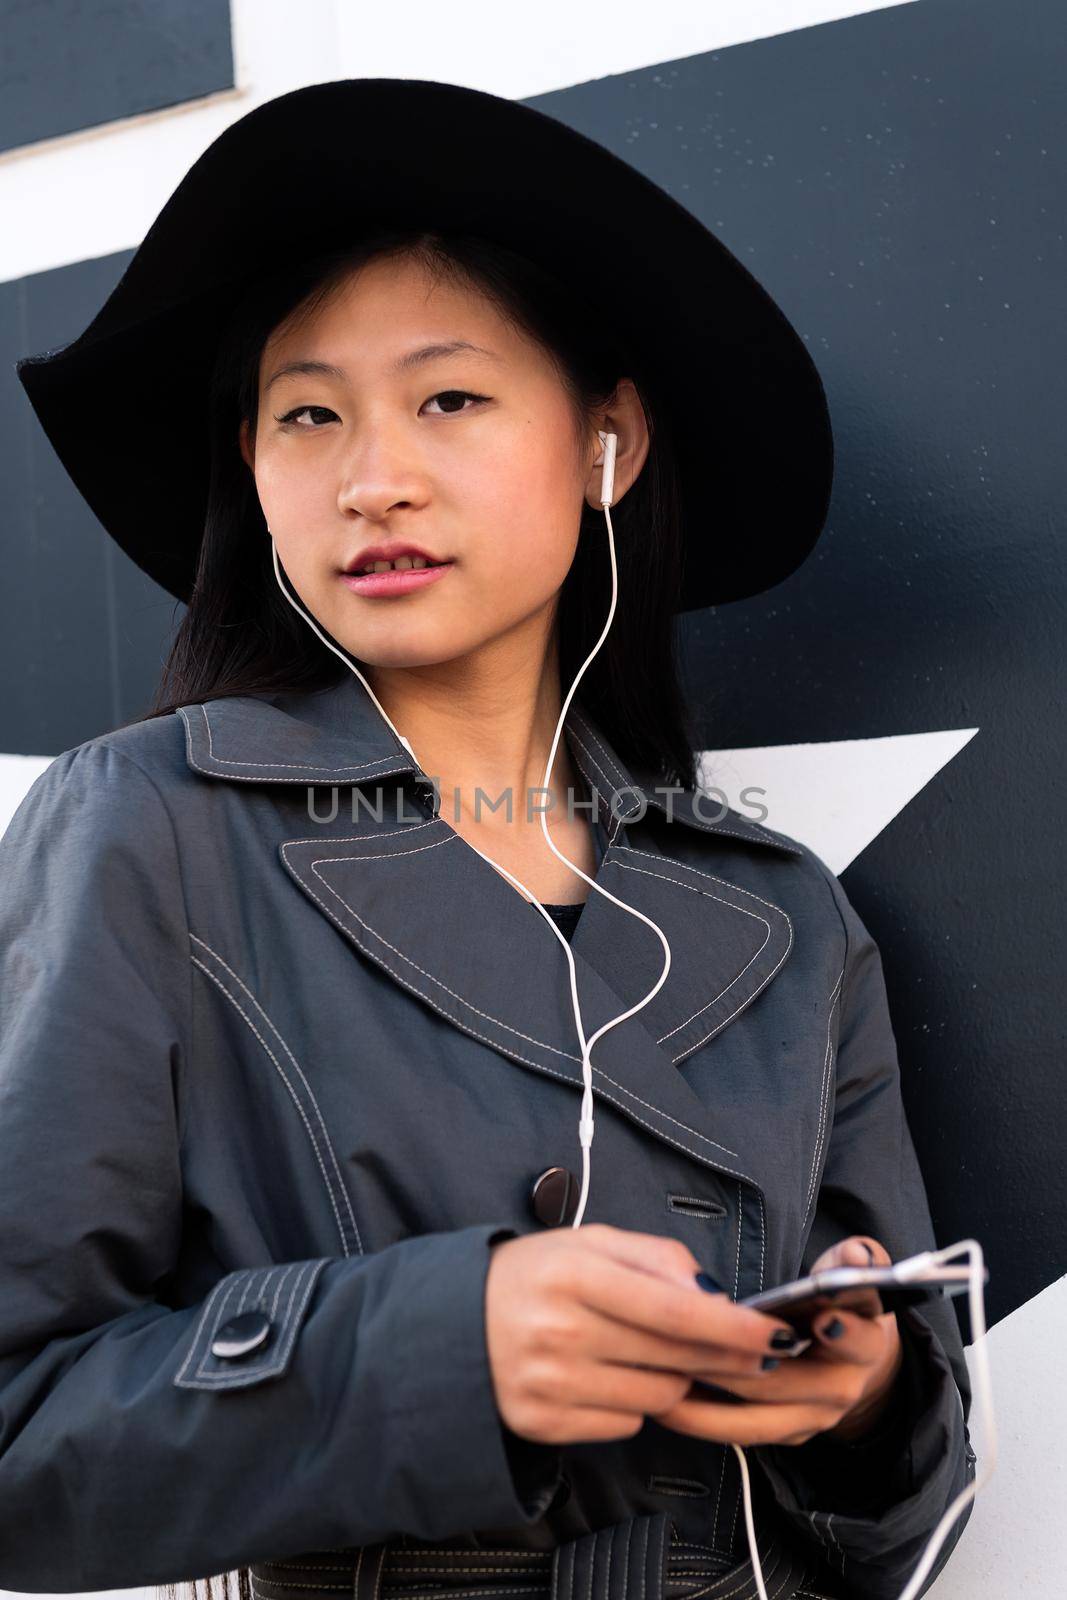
[
  {"x": 814, "y": 1381},
  {"x": 864, "y": 1302},
  {"x": 845, "y": 1336},
  {"x": 639, "y": 1299},
  {"x": 700, "y": 1363},
  {"x": 606, "y": 1339},
  {"x": 609, "y": 1387},
  {"x": 858, "y": 1250},
  {"x": 747, "y": 1424}
]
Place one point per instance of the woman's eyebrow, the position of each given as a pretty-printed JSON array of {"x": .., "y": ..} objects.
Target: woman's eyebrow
[
  {"x": 405, "y": 363},
  {"x": 436, "y": 352}
]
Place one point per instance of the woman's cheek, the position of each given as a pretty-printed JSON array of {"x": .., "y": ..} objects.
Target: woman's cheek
[{"x": 534, "y": 576}]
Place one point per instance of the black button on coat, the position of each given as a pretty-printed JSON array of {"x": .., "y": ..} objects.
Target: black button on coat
[{"x": 270, "y": 1067}]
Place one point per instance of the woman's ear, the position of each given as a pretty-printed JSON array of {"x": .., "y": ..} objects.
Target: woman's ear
[
  {"x": 244, "y": 442},
  {"x": 626, "y": 419}
]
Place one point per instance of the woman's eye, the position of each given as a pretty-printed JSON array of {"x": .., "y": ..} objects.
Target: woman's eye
[
  {"x": 290, "y": 416},
  {"x": 456, "y": 394},
  {"x": 450, "y": 409}
]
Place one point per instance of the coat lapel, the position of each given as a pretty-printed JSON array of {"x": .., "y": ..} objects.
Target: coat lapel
[{"x": 401, "y": 889}]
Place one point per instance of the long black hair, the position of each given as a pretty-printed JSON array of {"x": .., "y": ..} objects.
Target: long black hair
[{"x": 240, "y": 636}]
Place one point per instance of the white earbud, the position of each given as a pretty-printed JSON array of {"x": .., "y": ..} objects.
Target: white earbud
[{"x": 610, "y": 442}]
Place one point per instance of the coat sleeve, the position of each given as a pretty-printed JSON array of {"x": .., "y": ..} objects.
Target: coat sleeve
[
  {"x": 131, "y": 1453},
  {"x": 870, "y": 1507}
]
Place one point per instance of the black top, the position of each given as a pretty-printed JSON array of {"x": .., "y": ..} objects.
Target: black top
[{"x": 566, "y": 916}]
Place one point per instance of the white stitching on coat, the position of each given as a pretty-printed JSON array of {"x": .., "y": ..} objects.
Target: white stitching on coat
[
  {"x": 302, "y": 1284},
  {"x": 833, "y": 1537},
  {"x": 744, "y": 912},
  {"x": 292, "y": 1093},
  {"x": 733, "y": 1523},
  {"x": 616, "y": 817},
  {"x": 718, "y": 1497},
  {"x": 762, "y": 1235},
  {"x": 235, "y": 1282},
  {"x": 212, "y": 1297},
  {"x": 568, "y": 1055},
  {"x": 711, "y": 1588},
  {"x": 280, "y": 1286},
  {"x": 296, "y": 766},
  {"x": 251, "y": 778},
  {"x": 824, "y": 1097},
  {"x": 707, "y": 827},
  {"x": 607, "y": 1566}
]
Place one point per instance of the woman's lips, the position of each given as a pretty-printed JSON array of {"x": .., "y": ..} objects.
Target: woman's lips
[{"x": 379, "y": 585}]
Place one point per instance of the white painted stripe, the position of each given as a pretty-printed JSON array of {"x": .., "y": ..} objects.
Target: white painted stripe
[
  {"x": 1013, "y": 1544},
  {"x": 16, "y": 775},
  {"x": 835, "y": 796},
  {"x": 526, "y": 50},
  {"x": 89, "y": 194}
]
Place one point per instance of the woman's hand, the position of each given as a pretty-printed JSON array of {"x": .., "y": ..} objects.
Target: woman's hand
[
  {"x": 590, "y": 1330},
  {"x": 840, "y": 1386}
]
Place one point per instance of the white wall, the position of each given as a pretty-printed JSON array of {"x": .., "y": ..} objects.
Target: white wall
[
  {"x": 106, "y": 185},
  {"x": 16, "y": 775}
]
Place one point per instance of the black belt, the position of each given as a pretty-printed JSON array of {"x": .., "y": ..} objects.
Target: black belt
[{"x": 638, "y": 1559}]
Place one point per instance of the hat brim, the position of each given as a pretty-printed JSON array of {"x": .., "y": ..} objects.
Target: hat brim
[{"x": 124, "y": 404}]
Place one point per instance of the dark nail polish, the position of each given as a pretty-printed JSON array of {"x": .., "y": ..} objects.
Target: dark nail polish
[
  {"x": 833, "y": 1329},
  {"x": 768, "y": 1363},
  {"x": 784, "y": 1339},
  {"x": 706, "y": 1281}
]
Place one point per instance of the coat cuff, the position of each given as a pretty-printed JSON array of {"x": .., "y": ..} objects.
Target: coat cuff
[
  {"x": 874, "y": 1502},
  {"x": 535, "y": 1471},
  {"x": 535, "y": 1468},
  {"x": 453, "y": 1448}
]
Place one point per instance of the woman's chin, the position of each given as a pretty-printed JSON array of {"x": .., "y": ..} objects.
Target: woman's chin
[{"x": 399, "y": 655}]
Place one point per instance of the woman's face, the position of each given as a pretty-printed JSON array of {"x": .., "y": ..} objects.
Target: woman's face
[{"x": 469, "y": 455}]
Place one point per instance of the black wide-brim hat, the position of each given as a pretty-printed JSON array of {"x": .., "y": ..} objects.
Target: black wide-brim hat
[{"x": 125, "y": 404}]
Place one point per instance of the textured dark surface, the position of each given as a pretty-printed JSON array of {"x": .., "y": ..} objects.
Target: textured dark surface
[
  {"x": 73, "y": 64},
  {"x": 896, "y": 181},
  {"x": 82, "y": 630}
]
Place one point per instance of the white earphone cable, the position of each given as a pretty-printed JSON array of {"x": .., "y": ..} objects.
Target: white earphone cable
[
  {"x": 984, "y": 1386},
  {"x": 609, "y": 442}
]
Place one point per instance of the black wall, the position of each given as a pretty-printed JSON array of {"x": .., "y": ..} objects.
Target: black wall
[{"x": 897, "y": 181}]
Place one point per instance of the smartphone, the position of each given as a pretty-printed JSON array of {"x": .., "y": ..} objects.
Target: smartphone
[{"x": 870, "y": 1291}]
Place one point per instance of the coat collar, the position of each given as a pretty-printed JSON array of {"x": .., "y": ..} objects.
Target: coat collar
[
  {"x": 727, "y": 943},
  {"x": 337, "y": 736}
]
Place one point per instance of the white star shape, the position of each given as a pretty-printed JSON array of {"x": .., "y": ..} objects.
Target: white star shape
[{"x": 834, "y": 796}]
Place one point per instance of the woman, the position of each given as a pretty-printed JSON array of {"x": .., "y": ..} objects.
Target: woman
[{"x": 279, "y": 1013}]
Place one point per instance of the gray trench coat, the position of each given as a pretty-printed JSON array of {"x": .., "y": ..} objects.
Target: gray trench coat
[{"x": 258, "y": 1055}]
